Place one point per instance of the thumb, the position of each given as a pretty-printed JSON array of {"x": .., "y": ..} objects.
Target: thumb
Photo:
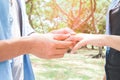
[{"x": 78, "y": 46}]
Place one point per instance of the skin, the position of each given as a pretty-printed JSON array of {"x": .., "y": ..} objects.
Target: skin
[
  {"x": 104, "y": 78},
  {"x": 63, "y": 31},
  {"x": 96, "y": 40},
  {"x": 47, "y": 46}
]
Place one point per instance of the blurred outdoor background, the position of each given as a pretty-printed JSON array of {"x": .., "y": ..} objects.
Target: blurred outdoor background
[{"x": 83, "y": 16}]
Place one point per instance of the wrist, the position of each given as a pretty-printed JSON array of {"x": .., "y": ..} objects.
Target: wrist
[
  {"x": 27, "y": 45},
  {"x": 13, "y": 48},
  {"x": 35, "y": 42},
  {"x": 106, "y": 40},
  {"x": 24, "y": 45}
]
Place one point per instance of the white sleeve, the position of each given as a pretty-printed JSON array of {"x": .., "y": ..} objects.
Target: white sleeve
[{"x": 26, "y": 28}]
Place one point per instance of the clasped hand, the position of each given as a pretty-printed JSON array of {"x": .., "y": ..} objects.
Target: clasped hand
[{"x": 56, "y": 43}]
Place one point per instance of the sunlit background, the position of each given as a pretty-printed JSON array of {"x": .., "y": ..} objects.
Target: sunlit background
[{"x": 86, "y": 16}]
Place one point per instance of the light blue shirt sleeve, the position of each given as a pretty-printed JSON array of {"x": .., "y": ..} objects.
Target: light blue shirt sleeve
[{"x": 5, "y": 33}]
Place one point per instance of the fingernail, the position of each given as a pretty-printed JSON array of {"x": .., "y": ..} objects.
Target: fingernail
[{"x": 72, "y": 33}]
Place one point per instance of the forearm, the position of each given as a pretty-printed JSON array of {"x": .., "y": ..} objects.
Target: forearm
[
  {"x": 113, "y": 41},
  {"x": 12, "y": 48}
]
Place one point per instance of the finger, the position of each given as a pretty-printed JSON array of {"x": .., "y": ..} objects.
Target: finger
[
  {"x": 61, "y": 50},
  {"x": 74, "y": 43},
  {"x": 74, "y": 38},
  {"x": 79, "y": 45},
  {"x": 68, "y": 30},
  {"x": 57, "y": 53},
  {"x": 61, "y": 36},
  {"x": 59, "y": 31},
  {"x": 63, "y": 44},
  {"x": 63, "y": 31},
  {"x": 56, "y": 56}
]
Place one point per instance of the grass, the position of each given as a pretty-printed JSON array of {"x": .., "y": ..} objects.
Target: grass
[{"x": 78, "y": 66}]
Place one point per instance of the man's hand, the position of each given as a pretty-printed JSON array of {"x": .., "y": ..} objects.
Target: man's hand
[
  {"x": 64, "y": 31},
  {"x": 45, "y": 46}
]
